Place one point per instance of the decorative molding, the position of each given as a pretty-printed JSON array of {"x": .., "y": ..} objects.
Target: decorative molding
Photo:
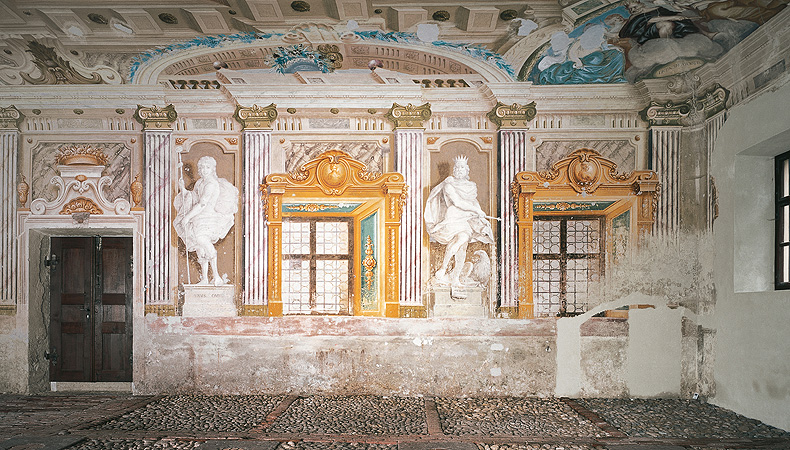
[
  {"x": 256, "y": 117},
  {"x": 232, "y": 140},
  {"x": 413, "y": 312},
  {"x": 333, "y": 173},
  {"x": 487, "y": 139},
  {"x": 80, "y": 204},
  {"x": 409, "y": 116},
  {"x": 669, "y": 113},
  {"x": 22, "y": 189},
  {"x": 512, "y": 116},
  {"x": 253, "y": 310},
  {"x": 136, "y": 189},
  {"x": 369, "y": 263},
  {"x": 54, "y": 69},
  {"x": 161, "y": 310},
  {"x": 713, "y": 101},
  {"x": 585, "y": 170},
  {"x": 432, "y": 140},
  {"x": 181, "y": 140},
  {"x": 156, "y": 117},
  {"x": 81, "y": 155},
  {"x": 11, "y": 117},
  {"x": 7, "y": 310},
  {"x": 84, "y": 181}
]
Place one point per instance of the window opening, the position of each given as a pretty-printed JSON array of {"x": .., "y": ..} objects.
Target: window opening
[
  {"x": 568, "y": 253},
  {"x": 317, "y": 265},
  {"x": 782, "y": 275}
]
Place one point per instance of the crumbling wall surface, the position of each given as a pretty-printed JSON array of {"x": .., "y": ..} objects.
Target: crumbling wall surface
[
  {"x": 752, "y": 365},
  {"x": 604, "y": 346},
  {"x": 13, "y": 357},
  {"x": 348, "y": 355}
]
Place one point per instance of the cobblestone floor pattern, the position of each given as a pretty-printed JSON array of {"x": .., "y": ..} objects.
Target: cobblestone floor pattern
[{"x": 88, "y": 422}]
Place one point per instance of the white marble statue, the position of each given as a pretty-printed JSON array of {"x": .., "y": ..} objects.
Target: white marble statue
[
  {"x": 453, "y": 217},
  {"x": 205, "y": 215}
]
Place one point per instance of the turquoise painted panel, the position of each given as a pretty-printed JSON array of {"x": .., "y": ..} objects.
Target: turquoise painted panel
[
  {"x": 571, "y": 206},
  {"x": 621, "y": 235},
  {"x": 369, "y": 228},
  {"x": 311, "y": 207}
]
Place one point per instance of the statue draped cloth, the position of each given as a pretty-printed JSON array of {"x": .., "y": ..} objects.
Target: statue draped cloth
[
  {"x": 218, "y": 198},
  {"x": 452, "y": 208}
]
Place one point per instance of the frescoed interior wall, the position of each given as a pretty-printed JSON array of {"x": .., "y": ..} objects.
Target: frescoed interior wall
[{"x": 606, "y": 168}]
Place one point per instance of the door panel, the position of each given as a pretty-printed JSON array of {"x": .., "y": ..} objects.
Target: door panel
[
  {"x": 91, "y": 309},
  {"x": 70, "y": 305}
]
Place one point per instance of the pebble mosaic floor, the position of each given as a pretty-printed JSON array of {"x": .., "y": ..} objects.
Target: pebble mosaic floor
[{"x": 88, "y": 422}]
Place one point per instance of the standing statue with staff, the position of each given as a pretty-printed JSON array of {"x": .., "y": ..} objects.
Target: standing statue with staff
[
  {"x": 205, "y": 215},
  {"x": 453, "y": 217}
]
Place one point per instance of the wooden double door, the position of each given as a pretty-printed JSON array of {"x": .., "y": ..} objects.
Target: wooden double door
[{"x": 90, "y": 309}]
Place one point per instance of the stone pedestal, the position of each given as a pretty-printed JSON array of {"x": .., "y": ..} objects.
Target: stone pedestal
[
  {"x": 209, "y": 301},
  {"x": 466, "y": 302}
]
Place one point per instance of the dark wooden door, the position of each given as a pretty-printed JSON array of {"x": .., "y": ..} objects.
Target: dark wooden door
[{"x": 91, "y": 309}]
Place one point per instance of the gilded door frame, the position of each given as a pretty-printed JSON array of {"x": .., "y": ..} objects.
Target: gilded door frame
[
  {"x": 587, "y": 174},
  {"x": 336, "y": 177}
]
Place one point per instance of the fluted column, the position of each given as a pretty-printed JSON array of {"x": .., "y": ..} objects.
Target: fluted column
[
  {"x": 157, "y": 136},
  {"x": 257, "y": 140},
  {"x": 512, "y": 121},
  {"x": 712, "y": 127},
  {"x": 409, "y": 149},
  {"x": 665, "y": 144},
  {"x": 10, "y": 118}
]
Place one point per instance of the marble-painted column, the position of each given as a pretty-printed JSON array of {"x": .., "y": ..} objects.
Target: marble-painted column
[
  {"x": 256, "y": 140},
  {"x": 409, "y": 155},
  {"x": 513, "y": 123},
  {"x": 10, "y": 118},
  {"x": 665, "y": 145},
  {"x": 158, "y": 196},
  {"x": 512, "y": 160}
]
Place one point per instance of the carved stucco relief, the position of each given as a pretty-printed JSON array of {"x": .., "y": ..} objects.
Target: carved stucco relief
[
  {"x": 621, "y": 152},
  {"x": 298, "y": 153},
  {"x": 44, "y": 168}
]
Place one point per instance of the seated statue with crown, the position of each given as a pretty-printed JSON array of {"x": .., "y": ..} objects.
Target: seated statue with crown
[{"x": 453, "y": 217}]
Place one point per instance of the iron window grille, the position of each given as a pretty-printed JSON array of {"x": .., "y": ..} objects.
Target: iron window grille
[{"x": 782, "y": 273}]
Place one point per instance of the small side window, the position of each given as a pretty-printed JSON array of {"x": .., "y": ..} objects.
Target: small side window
[{"x": 783, "y": 221}]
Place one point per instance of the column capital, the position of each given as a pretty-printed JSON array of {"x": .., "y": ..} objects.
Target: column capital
[
  {"x": 667, "y": 113},
  {"x": 409, "y": 116},
  {"x": 714, "y": 100},
  {"x": 11, "y": 117},
  {"x": 256, "y": 117},
  {"x": 512, "y": 116},
  {"x": 156, "y": 117}
]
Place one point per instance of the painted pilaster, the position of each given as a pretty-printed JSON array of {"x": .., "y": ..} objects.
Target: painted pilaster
[
  {"x": 409, "y": 153},
  {"x": 157, "y": 135},
  {"x": 10, "y": 118},
  {"x": 714, "y": 105},
  {"x": 256, "y": 140},
  {"x": 513, "y": 123},
  {"x": 665, "y": 133}
]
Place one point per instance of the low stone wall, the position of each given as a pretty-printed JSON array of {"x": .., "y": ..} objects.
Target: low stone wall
[{"x": 346, "y": 355}]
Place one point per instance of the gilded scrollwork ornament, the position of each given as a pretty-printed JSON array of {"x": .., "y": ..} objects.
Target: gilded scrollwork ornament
[
  {"x": 156, "y": 117},
  {"x": 409, "y": 116},
  {"x": 256, "y": 117},
  {"x": 512, "y": 116}
]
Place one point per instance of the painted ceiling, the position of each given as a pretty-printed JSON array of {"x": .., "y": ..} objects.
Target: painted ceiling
[{"x": 544, "y": 42}]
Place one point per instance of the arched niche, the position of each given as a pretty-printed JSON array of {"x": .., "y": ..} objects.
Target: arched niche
[{"x": 336, "y": 185}]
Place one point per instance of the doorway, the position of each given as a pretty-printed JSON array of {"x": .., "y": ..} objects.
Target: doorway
[{"x": 90, "y": 309}]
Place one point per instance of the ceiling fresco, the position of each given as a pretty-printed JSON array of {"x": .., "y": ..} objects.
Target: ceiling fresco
[{"x": 546, "y": 42}]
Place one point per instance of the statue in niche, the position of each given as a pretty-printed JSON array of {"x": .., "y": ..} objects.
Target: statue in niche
[
  {"x": 205, "y": 215},
  {"x": 453, "y": 217}
]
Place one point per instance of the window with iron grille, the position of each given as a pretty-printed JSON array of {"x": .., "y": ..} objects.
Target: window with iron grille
[
  {"x": 782, "y": 274},
  {"x": 567, "y": 254},
  {"x": 317, "y": 265}
]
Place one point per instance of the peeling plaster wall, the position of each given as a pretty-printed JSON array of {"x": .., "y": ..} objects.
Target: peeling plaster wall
[
  {"x": 449, "y": 357},
  {"x": 752, "y": 366}
]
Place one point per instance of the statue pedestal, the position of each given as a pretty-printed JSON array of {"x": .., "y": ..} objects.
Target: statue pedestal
[
  {"x": 209, "y": 301},
  {"x": 464, "y": 302}
]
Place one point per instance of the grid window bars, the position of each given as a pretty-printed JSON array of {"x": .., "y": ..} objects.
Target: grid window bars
[
  {"x": 567, "y": 254},
  {"x": 782, "y": 271},
  {"x": 317, "y": 265}
]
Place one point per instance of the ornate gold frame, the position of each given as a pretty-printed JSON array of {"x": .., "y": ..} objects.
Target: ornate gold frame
[
  {"x": 335, "y": 176},
  {"x": 584, "y": 175}
]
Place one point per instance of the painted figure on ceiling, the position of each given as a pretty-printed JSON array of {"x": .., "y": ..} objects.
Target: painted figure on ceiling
[
  {"x": 453, "y": 217},
  {"x": 205, "y": 215}
]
